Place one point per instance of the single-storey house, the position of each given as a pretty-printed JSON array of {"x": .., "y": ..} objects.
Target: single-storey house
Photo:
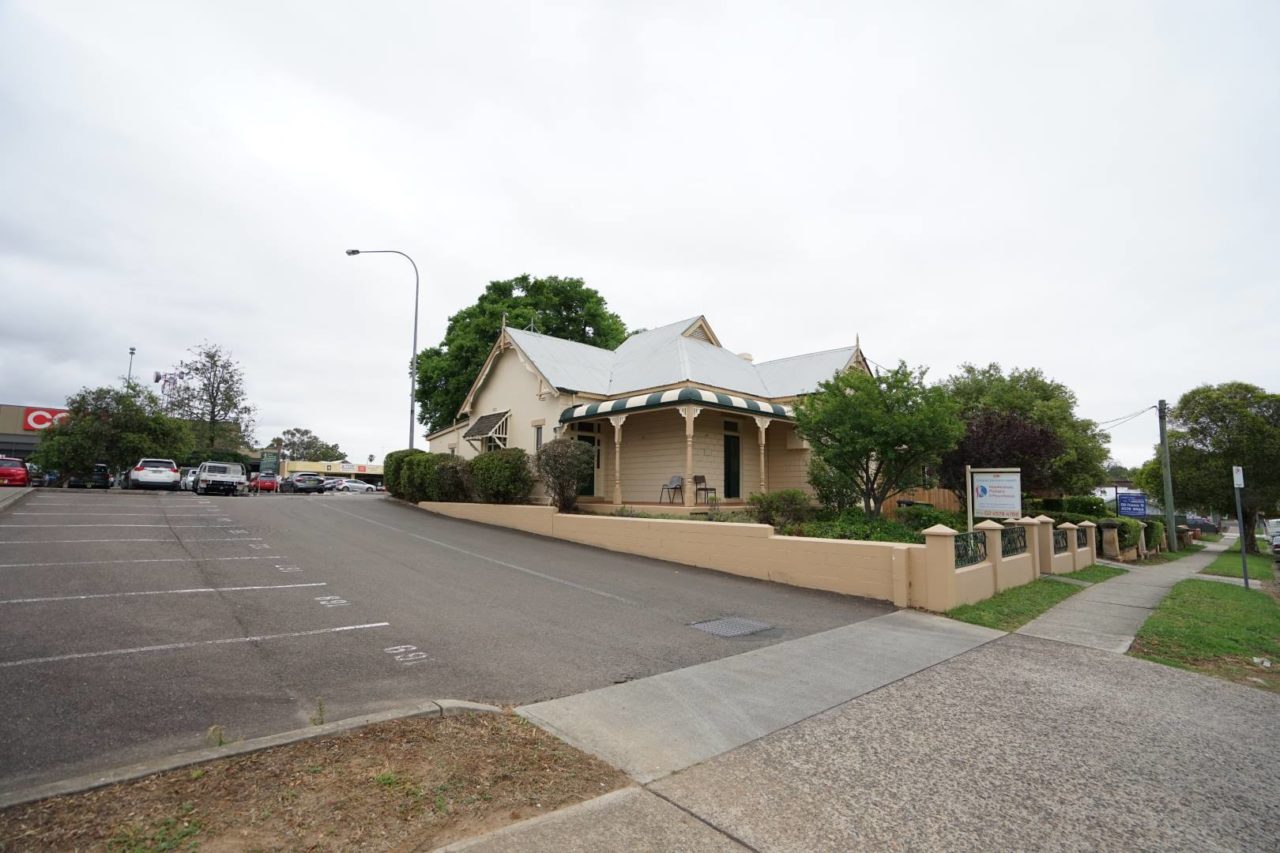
[{"x": 670, "y": 402}]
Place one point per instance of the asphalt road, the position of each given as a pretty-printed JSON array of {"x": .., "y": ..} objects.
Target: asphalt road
[{"x": 132, "y": 622}]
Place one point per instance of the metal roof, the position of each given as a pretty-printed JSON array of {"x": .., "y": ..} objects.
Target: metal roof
[
  {"x": 675, "y": 397},
  {"x": 668, "y": 356}
]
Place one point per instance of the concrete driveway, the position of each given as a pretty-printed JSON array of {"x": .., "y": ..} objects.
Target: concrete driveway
[{"x": 132, "y": 622}]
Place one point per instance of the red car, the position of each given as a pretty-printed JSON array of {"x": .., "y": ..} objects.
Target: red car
[
  {"x": 13, "y": 472},
  {"x": 264, "y": 483}
]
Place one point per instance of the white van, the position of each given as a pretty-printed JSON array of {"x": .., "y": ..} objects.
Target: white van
[{"x": 227, "y": 478}]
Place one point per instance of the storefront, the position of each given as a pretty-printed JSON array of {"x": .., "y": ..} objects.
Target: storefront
[{"x": 20, "y": 427}]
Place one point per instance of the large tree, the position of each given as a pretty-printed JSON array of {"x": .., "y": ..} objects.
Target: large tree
[
  {"x": 560, "y": 307},
  {"x": 115, "y": 426},
  {"x": 209, "y": 393},
  {"x": 302, "y": 444},
  {"x": 997, "y": 439},
  {"x": 879, "y": 433},
  {"x": 1212, "y": 428},
  {"x": 1078, "y": 467}
]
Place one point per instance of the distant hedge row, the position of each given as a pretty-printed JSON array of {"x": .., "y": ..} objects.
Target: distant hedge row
[{"x": 499, "y": 476}]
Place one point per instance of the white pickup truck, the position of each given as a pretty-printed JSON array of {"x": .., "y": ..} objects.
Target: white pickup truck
[{"x": 227, "y": 478}]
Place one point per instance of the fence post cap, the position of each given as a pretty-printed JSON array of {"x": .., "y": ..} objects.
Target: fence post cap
[
  {"x": 1087, "y": 524},
  {"x": 1044, "y": 518},
  {"x": 988, "y": 525},
  {"x": 1066, "y": 525},
  {"x": 1026, "y": 519},
  {"x": 938, "y": 530}
]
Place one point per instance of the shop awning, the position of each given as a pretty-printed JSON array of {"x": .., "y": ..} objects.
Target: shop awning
[{"x": 675, "y": 397}]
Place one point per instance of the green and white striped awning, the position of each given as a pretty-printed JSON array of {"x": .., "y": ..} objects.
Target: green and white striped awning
[{"x": 674, "y": 397}]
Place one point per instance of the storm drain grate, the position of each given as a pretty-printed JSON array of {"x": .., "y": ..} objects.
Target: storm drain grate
[{"x": 731, "y": 626}]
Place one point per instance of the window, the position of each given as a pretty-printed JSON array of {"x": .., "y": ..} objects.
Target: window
[{"x": 537, "y": 438}]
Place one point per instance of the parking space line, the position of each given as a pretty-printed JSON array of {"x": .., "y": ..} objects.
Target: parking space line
[
  {"x": 502, "y": 563},
  {"x": 158, "y": 592},
  {"x": 175, "y": 526},
  {"x": 146, "y": 514},
  {"x": 131, "y": 562},
  {"x": 191, "y": 645},
  {"x": 73, "y": 541}
]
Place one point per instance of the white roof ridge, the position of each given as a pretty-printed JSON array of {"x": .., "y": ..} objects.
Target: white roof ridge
[{"x": 806, "y": 354}]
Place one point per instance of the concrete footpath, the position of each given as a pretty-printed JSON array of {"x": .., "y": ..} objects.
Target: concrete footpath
[{"x": 1108, "y": 615}]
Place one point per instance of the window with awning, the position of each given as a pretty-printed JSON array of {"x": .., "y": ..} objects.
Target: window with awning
[{"x": 489, "y": 432}]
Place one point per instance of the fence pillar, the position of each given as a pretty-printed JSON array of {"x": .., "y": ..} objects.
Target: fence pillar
[
  {"x": 995, "y": 556},
  {"x": 1091, "y": 537},
  {"x": 1032, "y": 528},
  {"x": 1071, "y": 543},
  {"x": 940, "y": 568},
  {"x": 900, "y": 562},
  {"x": 1045, "y": 543},
  {"x": 1110, "y": 541},
  {"x": 1142, "y": 540}
]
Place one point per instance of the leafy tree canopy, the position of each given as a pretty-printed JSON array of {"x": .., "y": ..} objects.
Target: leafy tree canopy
[
  {"x": 1212, "y": 428},
  {"x": 210, "y": 395},
  {"x": 1116, "y": 471},
  {"x": 560, "y": 307},
  {"x": 877, "y": 433},
  {"x": 1078, "y": 467},
  {"x": 115, "y": 426},
  {"x": 1001, "y": 439},
  {"x": 302, "y": 444}
]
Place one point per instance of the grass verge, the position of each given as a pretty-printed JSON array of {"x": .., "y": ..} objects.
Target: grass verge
[
  {"x": 1013, "y": 608},
  {"x": 1095, "y": 574},
  {"x": 1210, "y": 537},
  {"x": 1166, "y": 557},
  {"x": 1227, "y": 564},
  {"x": 414, "y": 783},
  {"x": 1217, "y": 629}
]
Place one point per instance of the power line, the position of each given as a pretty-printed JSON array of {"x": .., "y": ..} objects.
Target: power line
[{"x": 1117, "y": 422}]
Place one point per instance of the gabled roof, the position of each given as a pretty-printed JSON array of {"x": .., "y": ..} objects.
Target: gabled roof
[{"x": 687, "y": 351}]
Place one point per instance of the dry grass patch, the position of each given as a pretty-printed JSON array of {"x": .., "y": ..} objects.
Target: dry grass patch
[{"x": 405, "y": 784}]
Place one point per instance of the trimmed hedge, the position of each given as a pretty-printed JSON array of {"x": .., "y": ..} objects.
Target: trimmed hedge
[
  {"x": 782, "y": 508},
  {"x": 1155, "y": 535},
  {"x": 392, "y": 466},
  {"x": 565, "y": 464},
  {"x": 503, "y": 476},
  {"x": 923, "y": 517},
  {"x": 1085, "y": 505},
  {"x": 854, "y": 524},
  {"x": 452, "y": 481},
  {"x": 436, "y": 477}
]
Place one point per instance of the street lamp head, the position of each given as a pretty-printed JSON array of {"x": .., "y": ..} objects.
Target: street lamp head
[{"x": 353, "y": 251}]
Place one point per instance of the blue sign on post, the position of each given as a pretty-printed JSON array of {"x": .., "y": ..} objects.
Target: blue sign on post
[{"x": 1133, "y": 504}]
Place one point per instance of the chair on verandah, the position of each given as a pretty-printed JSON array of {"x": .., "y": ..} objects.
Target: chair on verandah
[
  {"x": 675, "y": 484},
  {"x": 700, "y": 487}
]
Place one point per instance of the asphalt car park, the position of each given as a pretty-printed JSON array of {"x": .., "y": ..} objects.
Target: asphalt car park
[{"x": 138, "y": 624}]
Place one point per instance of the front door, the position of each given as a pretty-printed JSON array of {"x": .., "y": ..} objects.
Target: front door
[
  {"x": 588, "y": 487},
  {"x": 732, "y": 467}
]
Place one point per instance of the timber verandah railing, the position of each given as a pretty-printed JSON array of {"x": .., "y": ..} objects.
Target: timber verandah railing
[
  {"x": 1059, "y": 541},
  {"x": 1013, "y": 541},
  {"x": 971, "y": 548}
]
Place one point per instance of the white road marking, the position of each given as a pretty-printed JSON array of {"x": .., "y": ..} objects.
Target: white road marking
[
  {"x": 170, "y": 541},
  {"x": 171, "y": 646},
  {"x": 157, "y": 592},
  {"x": 152, "y": 560},
  {"x": 146, "y": 514},
  {"x": 502, "y": 563}
]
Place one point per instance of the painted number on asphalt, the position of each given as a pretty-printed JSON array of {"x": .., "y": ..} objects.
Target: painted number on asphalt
[
  {"x": 332, "y": 601},
  {"x": 407, "y": 655}
]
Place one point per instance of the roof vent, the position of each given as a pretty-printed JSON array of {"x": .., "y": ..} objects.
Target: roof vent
[{"x": 746, "y": 356}]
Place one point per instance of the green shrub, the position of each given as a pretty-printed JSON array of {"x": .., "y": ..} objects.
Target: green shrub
[
  {"x": 452, "y": 480},
  {"x": 392, "y": 465},
  {"x": 922, "y": 517},
  {"x": 565, "y": 464},
  {"x": 503, "y": 476},
  {"x": 1052, "y": 505},
  {"x": 782, "y": 508},
  {"x": 1155, "y": 534},
  {"x": 854, "y": 524},
  {"x": 418, "y": 476},
  {"x": 834, "y": 490},
  {"x": 1129, "y": 530},
  {"x": 1085, "y": 505}
]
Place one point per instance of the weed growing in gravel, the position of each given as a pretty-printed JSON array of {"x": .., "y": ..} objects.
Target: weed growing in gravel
[{"x": 317, "y": 719}]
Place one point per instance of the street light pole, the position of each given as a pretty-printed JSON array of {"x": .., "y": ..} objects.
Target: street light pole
[
  {"x": 129, "y": 380},
  {"x": 413, "y": 379}
]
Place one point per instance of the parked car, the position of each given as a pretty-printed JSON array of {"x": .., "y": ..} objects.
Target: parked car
[
  {"x": 225, "y": 478},
  {"x": 155, "y": 474},
  {"x": 355, "y": 486},
  {"x": 331, "y": 483},
  {"x": 99, "y": 478},
  {"x": 35, "y": 477},
  {"x": 13, "y": 472},
  {"x": 1275, "y": 545},
  {"x": 264, "y": 483},
  {"x": 188, "y": 481},
  {"x": 303, "y": 483}
]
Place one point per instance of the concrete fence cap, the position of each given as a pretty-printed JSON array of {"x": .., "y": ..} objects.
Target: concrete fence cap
[
  {"x": 938, "y": 530},
  {"x": 989, "y": 525},
  {"x": 1066, "y": 525},
  {"x": 1087, "y": 524},
  {"x": 1043, "y": 518},
  {"x": 1026, "y": 519}
]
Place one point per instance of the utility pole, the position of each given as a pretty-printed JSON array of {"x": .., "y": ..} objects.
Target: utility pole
[{"x": 1170, "y": 522}]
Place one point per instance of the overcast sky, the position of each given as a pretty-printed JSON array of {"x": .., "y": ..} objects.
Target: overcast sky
[{"x": 1090, "y": 188}]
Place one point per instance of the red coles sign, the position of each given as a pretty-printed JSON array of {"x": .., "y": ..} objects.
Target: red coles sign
[{"x": 38, "y": 419}]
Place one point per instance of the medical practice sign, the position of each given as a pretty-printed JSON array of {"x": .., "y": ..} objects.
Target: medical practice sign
[
  {"x": 1132, "y": 504},
  {"x": 34, "y": 420},
  {"x": 997, "y": 494}
]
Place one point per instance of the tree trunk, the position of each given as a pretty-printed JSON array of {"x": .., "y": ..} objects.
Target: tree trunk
[{"x": 1248, "y": 531}]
